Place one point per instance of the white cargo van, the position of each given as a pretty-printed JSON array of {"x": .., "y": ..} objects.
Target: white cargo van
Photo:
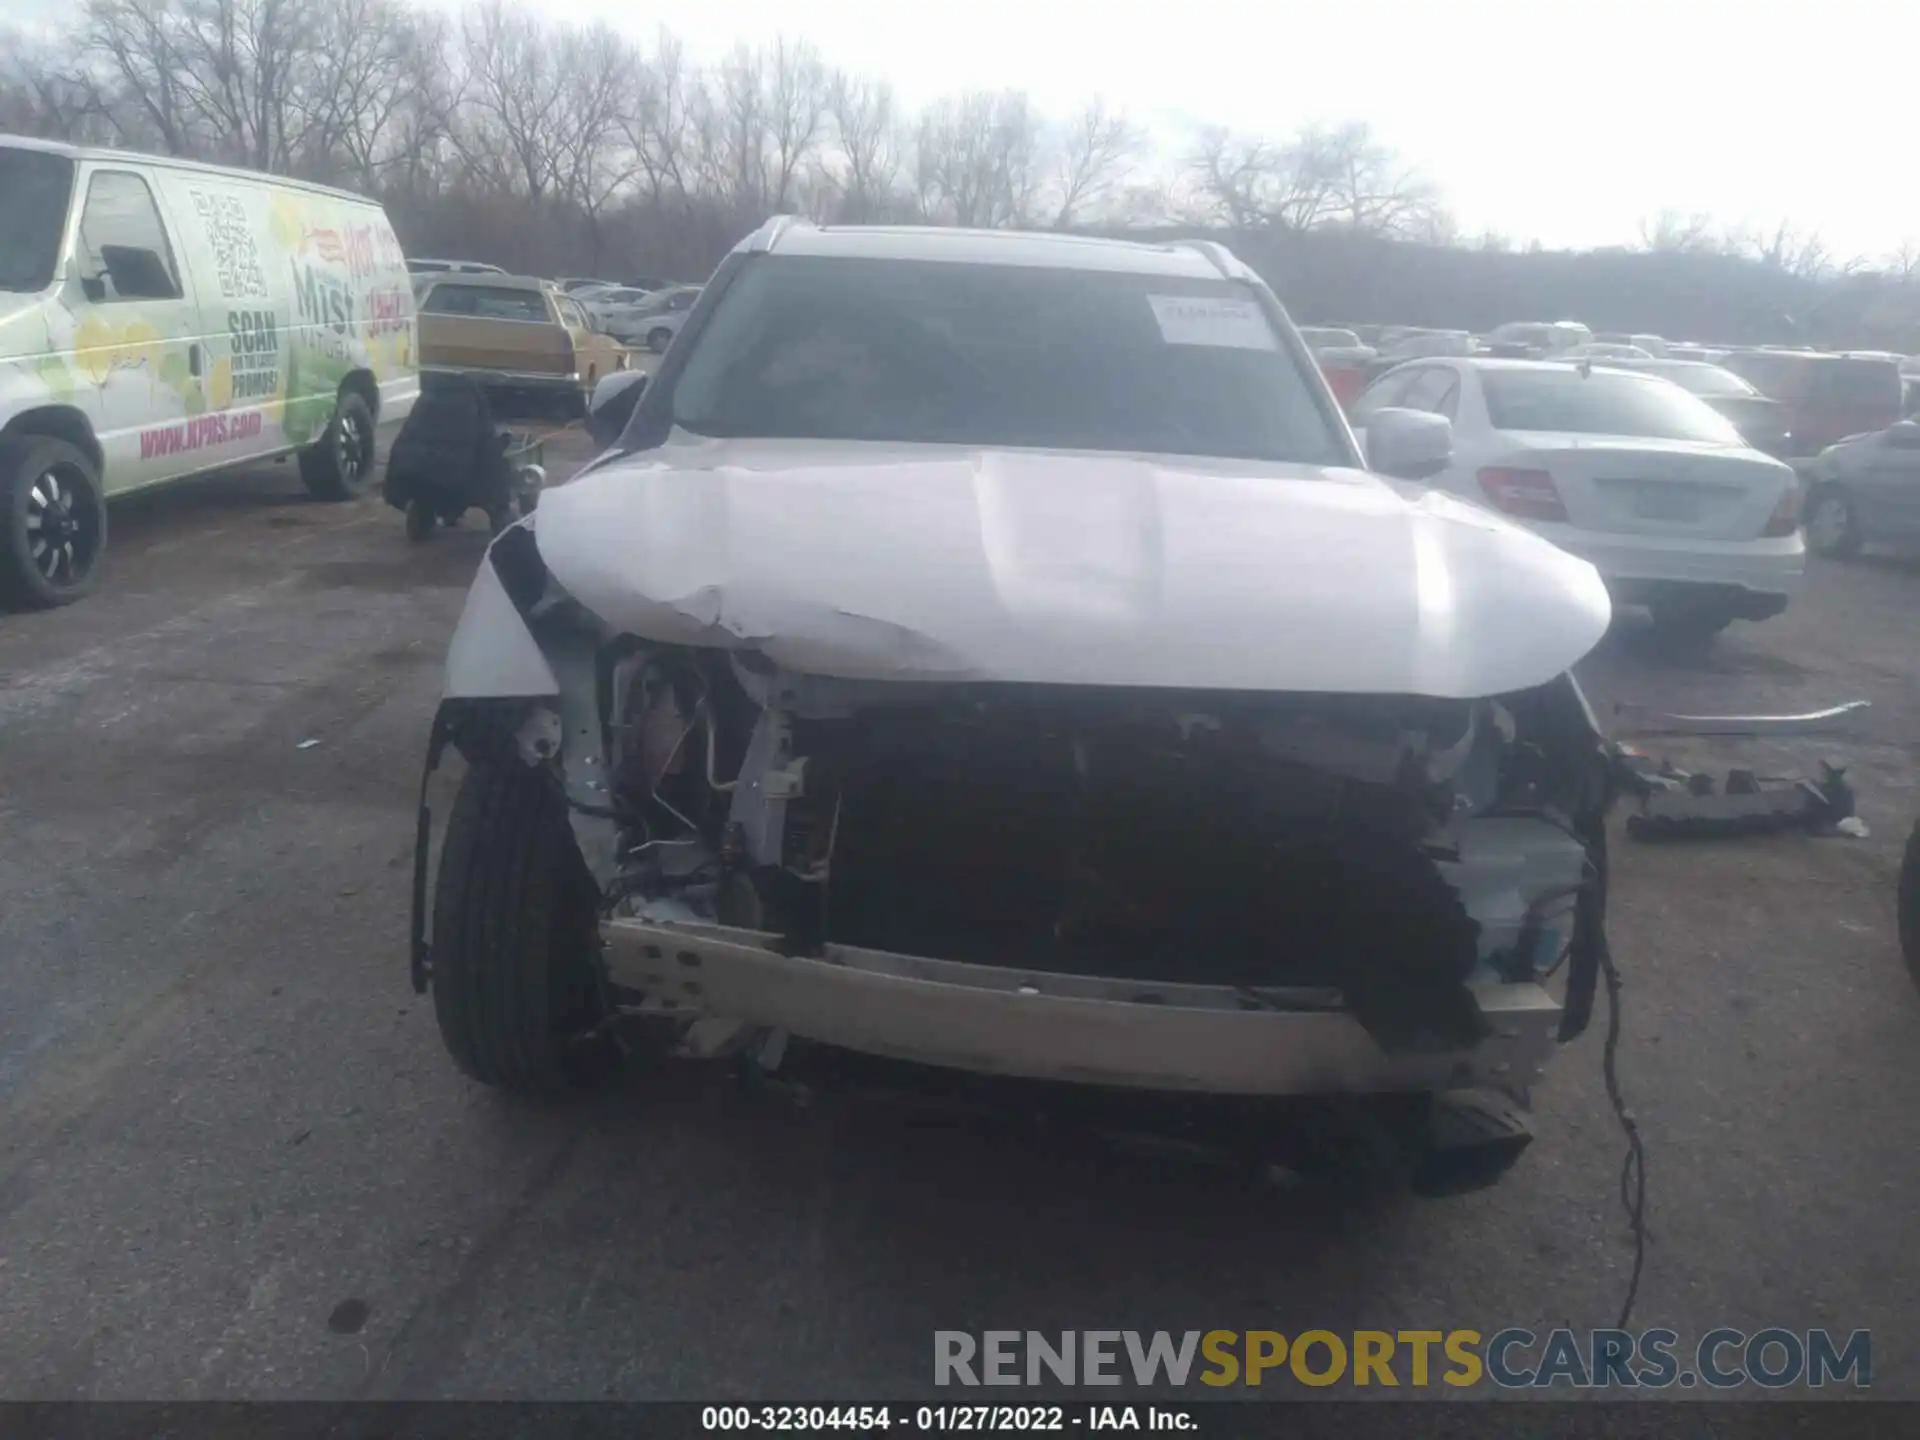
[{"x": 160, "y": 318}]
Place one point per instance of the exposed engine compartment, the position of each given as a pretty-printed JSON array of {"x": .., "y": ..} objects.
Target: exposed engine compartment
[{"x": 1369, "y": 852}]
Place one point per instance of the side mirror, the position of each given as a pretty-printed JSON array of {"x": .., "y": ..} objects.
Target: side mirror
[
  {"x": 1408, "y": 444},
  {"x": 612, "y": 405}
]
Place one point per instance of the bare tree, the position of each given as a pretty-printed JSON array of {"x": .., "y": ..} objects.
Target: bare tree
[
  {"x": 595, "y": 160},
  {"x": 134, "y": 41},
  {"x": 738, "y": 129},
  {"x": 1802, "y": 254},
  {"x": 658, "y": 124},
  {"x": 511, "y": 130},
  {"x": 1370, "y": 190},
  {"x": 867, "y": 127},
  {"x": 374, "y": 95},
  {"x": 1904, "y": 263},
  {"x": 977, "y": 159},
  {"x": 49, "y": 93},
  {"x": 1250, "y": 182},
  {"x": 1094, "y": 160},
  {"x": 798, "y": 106},
  {"x": 1670, "y": 232}
]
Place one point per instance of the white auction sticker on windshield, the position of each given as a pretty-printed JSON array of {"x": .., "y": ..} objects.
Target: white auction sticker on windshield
[{"x": 1205, "y": 320}]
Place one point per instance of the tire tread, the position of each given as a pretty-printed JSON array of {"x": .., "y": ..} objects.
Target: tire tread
[{"x": 492, "y": 930}]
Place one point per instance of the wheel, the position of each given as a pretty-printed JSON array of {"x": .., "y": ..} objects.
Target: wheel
[
  {"x": 1909, "y": 904},
  {"x": 1832, "y": 527},
  {"x": 1690, "y": 620},
  {"x": 516, "y": 989},
  {"x": 53, "y": 522},
  {"x": 420, "y": 520},
  {"x": 659, "y": 338},
  {"x": 339, "y": 464}
]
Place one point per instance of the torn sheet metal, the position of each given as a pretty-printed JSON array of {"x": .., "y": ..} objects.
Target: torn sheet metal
[
  {"x": 926, "y": 562},
  {"x": 1643, "y": 720}
]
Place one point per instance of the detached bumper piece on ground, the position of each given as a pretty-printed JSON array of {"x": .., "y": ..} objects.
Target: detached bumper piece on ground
[{"x": 1676, "y": 805}]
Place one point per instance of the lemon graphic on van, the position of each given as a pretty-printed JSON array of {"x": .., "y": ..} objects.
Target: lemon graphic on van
[
  {"x": 287, "y": 223},
  {"x": 220, "y": 384},
  {"x": 100, "y": 348}
]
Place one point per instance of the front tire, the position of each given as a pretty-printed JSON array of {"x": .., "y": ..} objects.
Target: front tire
[
  {"x": 1833, "y": 528},
  {"x": 658, "y": 339},
  {"x": 516, "y": 983},
  {"x": 53, "y": 522},
  {"x": 339, "y": 465}
]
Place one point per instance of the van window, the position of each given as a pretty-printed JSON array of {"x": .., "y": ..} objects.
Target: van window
[
  {"x": 37, "y": 187},
  {"x": 486, "y": 302},
  {"x": 1857, "y": 382},
  {"x": 124, "y": 254}
]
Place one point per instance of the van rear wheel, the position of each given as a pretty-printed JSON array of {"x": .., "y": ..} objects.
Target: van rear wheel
[
  {"x": 339, "y": 465},
  {"x": 53, "y": 522}
]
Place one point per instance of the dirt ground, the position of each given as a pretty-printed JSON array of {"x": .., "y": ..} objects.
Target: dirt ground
[{"x": 234, "y": 1160}]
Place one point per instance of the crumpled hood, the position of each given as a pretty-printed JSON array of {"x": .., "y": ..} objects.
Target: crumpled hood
[{"x": 947, "y": 563}]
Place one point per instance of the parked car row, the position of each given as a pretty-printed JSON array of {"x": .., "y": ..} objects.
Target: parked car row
[
  {"x": 1790, "y": 402},
  {"x": 1631, "y": 471}
]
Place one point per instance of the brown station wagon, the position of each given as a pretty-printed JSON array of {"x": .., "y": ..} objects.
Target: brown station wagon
[{"x": 513, "y": 333}]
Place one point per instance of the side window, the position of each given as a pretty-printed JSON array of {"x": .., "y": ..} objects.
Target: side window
[
  {"x": 1434, "y": 389},
  {"x": 447, "y": 300},
  {"x": 124, "y": 254},
  {"x": 1385, "y": 392},
  {"x": 571, "y": 313},
  {"x": 683, "y": 301}
]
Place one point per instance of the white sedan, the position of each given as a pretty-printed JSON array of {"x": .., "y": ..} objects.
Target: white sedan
[{"x": 1626, "y": 470}]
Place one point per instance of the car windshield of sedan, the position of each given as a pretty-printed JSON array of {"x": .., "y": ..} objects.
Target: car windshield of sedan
[
  {"x": 1603, "y": 402},
  {"x": 1704, "y": 379},
  {"x": 812, "y": 347}
]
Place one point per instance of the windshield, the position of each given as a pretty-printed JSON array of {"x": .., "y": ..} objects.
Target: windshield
[
  {"x": 487, "y": 302},
  {"x": 1522, "y": 334},
  {"x": 1000, "y": 355},
  {"x": 1604, "y": 402},
  {"x": 1703, "y": 379},
  {"x": 34, "y": 190},
  {"x": 1321, "y": 339}
]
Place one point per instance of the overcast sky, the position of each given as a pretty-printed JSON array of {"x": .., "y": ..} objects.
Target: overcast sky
[
  {"x": 1568, "y": 120},
  {"x": 1565, "y": 120}
]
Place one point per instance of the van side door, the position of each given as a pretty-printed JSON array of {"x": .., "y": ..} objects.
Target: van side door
[
  {"x": 137, "y": 333},
  {"x": 245, "y": 308}
]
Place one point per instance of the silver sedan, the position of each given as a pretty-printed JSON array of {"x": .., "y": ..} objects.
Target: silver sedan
[{"x": 1865, "y": 490}]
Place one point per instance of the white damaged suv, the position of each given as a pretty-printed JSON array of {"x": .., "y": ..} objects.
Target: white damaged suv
[{"x": 990, "y": 652}]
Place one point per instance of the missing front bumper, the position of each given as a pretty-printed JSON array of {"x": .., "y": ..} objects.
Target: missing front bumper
[{"x": 1207, "y": 1039}]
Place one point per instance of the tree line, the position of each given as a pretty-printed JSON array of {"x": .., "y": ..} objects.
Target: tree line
[
  {"x": 494, "y": 133},
  {"x": 562, "y": 146}
]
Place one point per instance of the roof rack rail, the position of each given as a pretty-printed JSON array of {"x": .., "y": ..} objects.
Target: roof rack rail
[
  {"x": 1222, "y": 259},
  {"x": 768, "y": 235}
]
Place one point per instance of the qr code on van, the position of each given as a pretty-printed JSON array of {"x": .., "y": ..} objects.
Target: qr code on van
[{"x": 235, "y": 253}]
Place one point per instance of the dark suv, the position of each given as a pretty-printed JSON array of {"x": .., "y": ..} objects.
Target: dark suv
[{"x": 1826, "y": 397}]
